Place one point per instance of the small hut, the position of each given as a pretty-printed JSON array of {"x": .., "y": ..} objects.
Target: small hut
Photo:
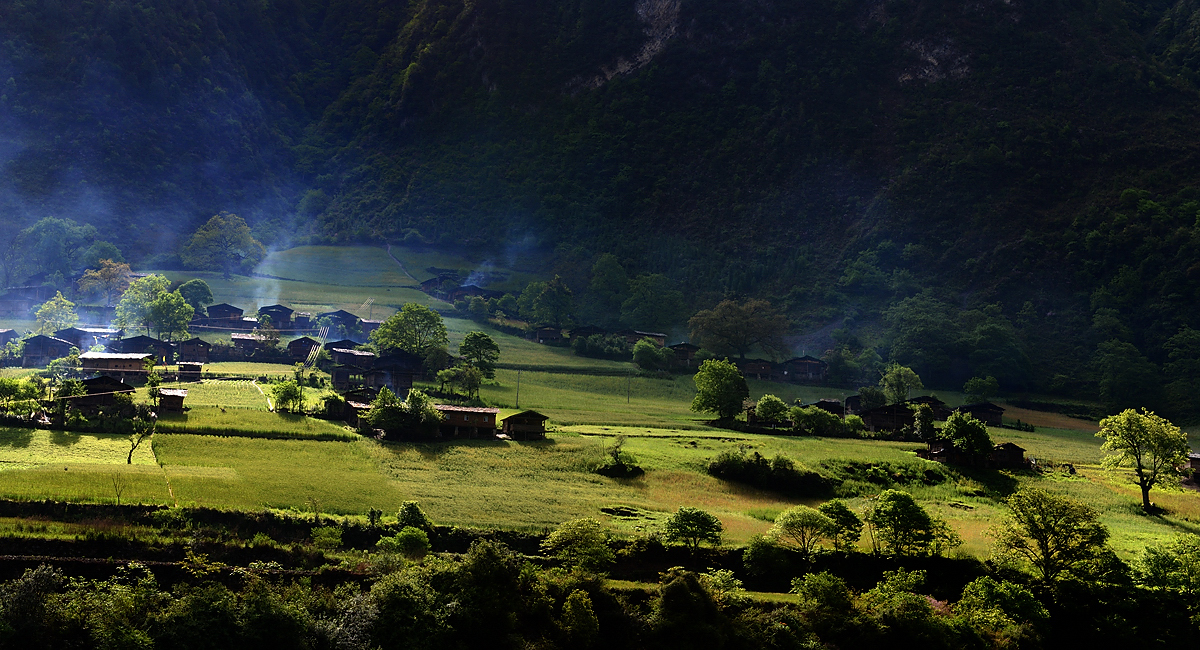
[
  {"x": 170, "y": 400},
  {"x": 526, "y": 425}
]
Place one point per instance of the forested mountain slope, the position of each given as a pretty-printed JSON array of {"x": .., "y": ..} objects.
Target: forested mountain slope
[{"x": 886, "y": 168}]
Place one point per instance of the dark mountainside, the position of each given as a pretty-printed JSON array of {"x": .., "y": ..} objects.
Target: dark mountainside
[{"x": 887, "y": 171}]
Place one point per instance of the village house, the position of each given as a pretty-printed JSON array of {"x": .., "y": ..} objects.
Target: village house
[
  {"x": 170, "y": 400},
  {"x": 248, "y": 343},
  {"x": 1193, "y": 461},
  {"x": 41, "y": 350},
  {"x": 224, "y": 314},
  {"x": 831, "y": 405},
  {"x": 86, "y": 337},
  {"x": 100, "y": 391},
  {"x": 468, "y": 421},
  {"x": 346, "y": 377},
  {"x": 281, "y": 317},
  {"x": 345, "y": 344},
  {"x": 395, "y": 371},
  {"x": 8, "y": 336},
  {"x": 526, "y": 425},
  {"x": 300, "y": 349},
  {"x": 986, "y": 412},
  {"x": 547, "y": 335},
  {"x": 804, "y": 369},
  {"x": 892, "y": 417},
  {"x": 348, "y": 321},
  {"x": 1007, "y": 455},
  {"x": 361, "y": 358},
  {"x": 162, "y": 350},
  {"x": 194, "y": 350},
  {"x": 755, "y": 368},
  {"x": 369, "y": 326},
  {"x": 685, "y": 355},
  {"x": 190, "y": 370},
  {"x": 853, "y": 404},
  {"x": 633, "y": 336},
  {"x": 303, "y": 320},
  {"x": 115, "y": 364},
  {"x": 940, "y": 409}
]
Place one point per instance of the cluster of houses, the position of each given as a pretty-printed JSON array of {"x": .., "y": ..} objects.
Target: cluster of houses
[{"x": 226, "y": 317}]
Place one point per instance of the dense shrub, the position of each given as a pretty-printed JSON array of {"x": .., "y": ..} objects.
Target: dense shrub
[{"x": 779, "y": 474}]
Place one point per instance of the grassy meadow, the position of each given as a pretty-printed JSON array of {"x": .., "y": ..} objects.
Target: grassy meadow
[{"x": 525, "y": 485}]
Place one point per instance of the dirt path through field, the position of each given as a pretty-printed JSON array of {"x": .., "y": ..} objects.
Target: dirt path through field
[
  {"x": 270, "y": 406},
  {"x": 401, "y": 264}
]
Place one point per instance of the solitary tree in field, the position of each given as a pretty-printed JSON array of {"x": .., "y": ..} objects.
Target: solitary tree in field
[
  {"x": 981, "y": 389},
  {"x": 1051, "y": 532},
  {"x": 771, "y": 408},
  {"x": 55, "y": 314},
  {"x": 803, "y": 527},
  {"x": 580, "y": 542},
  {"x": 1149, "y": 444},
  {"x": 109, "y": 280},
  {"x": 900, "y": 526},
  {"x": 733, "y": 327},
  {"x": 847, "y": 527},
  {"x": 694, "y": 526},
  {"x": 224, "y": 243},
  {"x": 720, "y": 389}
]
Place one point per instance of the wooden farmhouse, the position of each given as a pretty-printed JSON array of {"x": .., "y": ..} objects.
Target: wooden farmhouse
[
  {"x": 986, "y": 412},
  {"x": 162, "y": 350},
  {"x": 526, "y": 425},
  {"x": 1007, "y": 455},
  {"x": 302, "y": 347},
  {"x": 190, "y": 370},
  {"x": 685, "y": 355},
  {"x": 467, "y": 421},
  {"x": 395, "y": 371},
  {"x": 170, "y": 400},
  {"x": 1193, "y": 461},
  {"x": 115, "y": 364},
  {"x": 101, "y": 391},
  {"x": 892, "y": 417},
  {"x": 248, "y": 342},
  {"x": 370, "y": 325},
  {"x": 340, "y": 317},
  {"x": 351, "y": 357},
  {"x": 804, "y": 369},
  {"x": 755, "y": 369},
  {"x": 547, "y": 335},
  {"x": 8, "y": 336},
  {"x": 853, "y": 404},
  {"x": 225, "y": 314},
  {"x": 831, "y": 405},
  {"x": 19, "y": 302},
  {"x": 633, "y": 336},
  {"x": 940, "y": 409},
  {"x": 347, "y": 377},
  {"x": 86, "y": 337},
  {"x": 281, "y": 317},
  {"x": 345, "y": 344},
  {"x": 41, "y": 350},
  {"x": 194, "y": 350},
  {"x": 303, "y": 320}
]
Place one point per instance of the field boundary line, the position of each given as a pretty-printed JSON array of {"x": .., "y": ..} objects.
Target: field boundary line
[{"x": 270, "y": 406}]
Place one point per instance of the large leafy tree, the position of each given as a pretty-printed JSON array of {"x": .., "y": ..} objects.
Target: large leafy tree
[
  {"x": 967, "y": 435},
  {"x": 720, "y": 389},
  {"x": 580, "y": 542},
  {"x": 898, "y": 382},
  {"x": 197, "y": 293},
  {"x": 56, "y": 245},
  {"x": 734, "y": 327},
  {"x": 109, "y": 279},
  {"x": 803, "y": 527},
  {"x": 416, "y": 329},
  {"x": 694, "y": 526},
  {"x": 902, "y": 527},
  {"x": 1149, "y": 444},
  {"x": 171, "y": 315},
  {"x": 55, "y": 314},
  {"x": 223, "y": 243},
  {"x": 1051, "y": 532},
  {"x": 479, "y": 350},
  {"x": 555, "y": 304},
  {"x": 137, "y": 303}
]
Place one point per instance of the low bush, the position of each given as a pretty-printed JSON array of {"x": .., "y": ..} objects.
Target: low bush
[{"x": 779, "y": 474}]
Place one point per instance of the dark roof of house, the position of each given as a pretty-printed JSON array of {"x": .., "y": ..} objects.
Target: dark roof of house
[
  {"x": 142, "y": 339},
  {"x": 106, "y": 384},
  {"x": 221, "y": 306},
  {"x": 343, "y": 344},
  {"x": 399, "y": 358},
  {"x": 684, "y": 346},
  {"x": 465, "y": 409},
  {"x": 196, "y": 340},
  {"x": 172, "y": 392},
  {"x": 527, "y": 415},
  {"x": 340, "y": 314},
  {"x": 926, "y": 399},
  {"x": 304, "y": 339},
  {"x": 278, "y": 308},
  {"x": 889, "y": 408},
  {"x": 981, "y": 406},
  {"x": 40, "y": 337},
  {"x": 1010, "y": 446},
  {"x": 804, "y": 359}
]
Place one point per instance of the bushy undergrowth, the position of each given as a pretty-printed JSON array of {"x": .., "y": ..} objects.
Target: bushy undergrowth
[{"x": 840, "y": 477}]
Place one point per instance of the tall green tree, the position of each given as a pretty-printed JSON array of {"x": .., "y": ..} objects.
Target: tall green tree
[
  {"x": 555, "y": 304},
  {"x": 479, "y": 350},
  {"x": 1149, "y": 444},
  {"x": 171, "y": 315},
  {"x": 981, "y": 389},
  {"x": 224, "y": 243},
  {"x": 197, "y": 293},
  {"x": 693, "y": 526},
  {"x": 734, "y": 327},
  {"x": 416, "y": 329},
  {"x": 898, "y": 382},
  {"x": 968, "y": 435},
  {"x": 55, "y": 314},
  {"x": 653, "y": 304},
  {"x": 900, "y": 526},
  {"x": 580, "y": 542},
  {"x": 108, "y": 279},
  {"x": 1051, "y": 532},
  {"x": 802, "y": 527},
  {"x": 136, "y": 305},
  {"x": 720, "y": 389},
  {"x": 56, "y": 245}
]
